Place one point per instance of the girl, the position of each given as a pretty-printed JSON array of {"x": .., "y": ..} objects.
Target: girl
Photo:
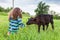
[{"x": 15, "y": 19}]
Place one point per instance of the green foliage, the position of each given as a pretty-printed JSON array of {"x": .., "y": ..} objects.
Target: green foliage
[
  {"x": 1, "y": 9},
  {"x": 23, "y": 12},
  {"x": 56, "y": 17},
  {"x": 26, "y": 13},
  {"x": 4, "y": 13},
  {"x": 8, "y": 9},
  {"x": 5, "y": 10},
  {"x": 42, "y": 8}
]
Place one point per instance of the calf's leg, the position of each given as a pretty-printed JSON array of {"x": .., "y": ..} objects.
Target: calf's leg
[
  {"x": 52, "y": 23},
  {"x": 39, "y": 28},
  {"x": 43, "y": 27},
  {"x": 47, "y": 26}
]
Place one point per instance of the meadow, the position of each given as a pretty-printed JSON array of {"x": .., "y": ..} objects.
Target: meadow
[{"x": 29, "y": 32}]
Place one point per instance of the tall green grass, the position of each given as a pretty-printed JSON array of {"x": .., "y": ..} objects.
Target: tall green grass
[
  {"x": 4, "y": 13},
  {"x": 29, "y": 32}
]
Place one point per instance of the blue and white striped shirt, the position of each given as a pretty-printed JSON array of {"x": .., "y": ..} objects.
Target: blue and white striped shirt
[{"x": 14, "y": 24}]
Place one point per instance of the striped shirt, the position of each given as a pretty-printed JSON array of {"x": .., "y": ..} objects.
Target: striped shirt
[{"x": 14, "y": 24}]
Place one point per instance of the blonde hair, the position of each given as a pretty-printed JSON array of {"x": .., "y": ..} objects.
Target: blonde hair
[{"x": 14, "y": 13}]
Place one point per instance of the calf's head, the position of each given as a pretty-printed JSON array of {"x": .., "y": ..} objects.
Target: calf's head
[{"x": 31, "y": 21}]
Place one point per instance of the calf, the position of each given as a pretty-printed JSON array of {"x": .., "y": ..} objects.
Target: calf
[{"x": 42, "y": 19}]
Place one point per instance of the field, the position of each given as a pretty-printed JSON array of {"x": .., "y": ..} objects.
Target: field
[{"x": 29, "y": 32}]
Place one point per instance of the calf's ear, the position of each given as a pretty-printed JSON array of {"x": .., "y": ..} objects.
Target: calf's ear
[{"x": 36, "y": 20}]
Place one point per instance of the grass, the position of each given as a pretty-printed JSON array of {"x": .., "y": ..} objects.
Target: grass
[{"x": 29, "y": 32}]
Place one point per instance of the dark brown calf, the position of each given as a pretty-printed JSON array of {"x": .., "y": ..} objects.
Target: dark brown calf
[{"x": 42, "y": 19}]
